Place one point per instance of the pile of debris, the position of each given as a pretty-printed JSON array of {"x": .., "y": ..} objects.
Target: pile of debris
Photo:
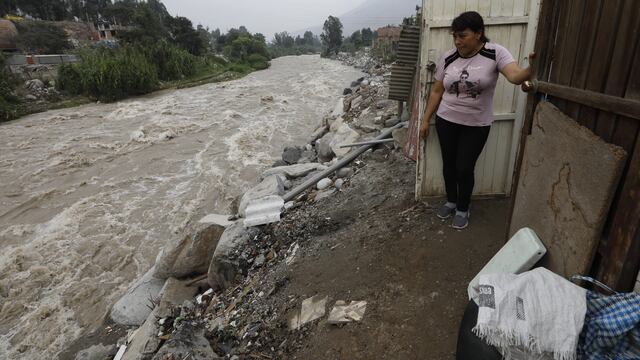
[{"x": 36, "y": 90}]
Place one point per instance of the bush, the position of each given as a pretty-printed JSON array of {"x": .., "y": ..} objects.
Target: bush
[
  {"x": 172, "y": 63},
  {"x": 69, "y": 79},
  {"x": 240, "y": 68},
  {"x": 258, "y": 62},
  {"x": 8, "y": 101}
]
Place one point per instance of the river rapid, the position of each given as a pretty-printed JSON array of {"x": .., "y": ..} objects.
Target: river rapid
[{"x": 89, "y": 195}]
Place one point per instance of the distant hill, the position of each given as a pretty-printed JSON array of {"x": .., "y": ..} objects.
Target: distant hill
[{"x": 373, "y": 14}]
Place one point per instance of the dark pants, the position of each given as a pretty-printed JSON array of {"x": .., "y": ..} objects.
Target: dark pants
[{"x": 461, "y": 146}]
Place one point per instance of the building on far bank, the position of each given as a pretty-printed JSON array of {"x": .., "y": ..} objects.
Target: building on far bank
[{"x": 387, "y": 40}]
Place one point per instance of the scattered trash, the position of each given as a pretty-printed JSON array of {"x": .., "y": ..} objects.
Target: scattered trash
[
  {"x": 343, "y": 313},
  {"x": 312, "y": 308},
  {"x": 262, "y": 211},
  {"x": 291, "y": 257},
  {"x": 120, "y": 352}
]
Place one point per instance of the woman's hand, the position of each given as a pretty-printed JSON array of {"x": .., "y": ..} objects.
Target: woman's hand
[{"x": 424, "y": 127}]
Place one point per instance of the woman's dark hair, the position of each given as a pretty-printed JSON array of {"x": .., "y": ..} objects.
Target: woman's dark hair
[{"x": 470, "y": 20}]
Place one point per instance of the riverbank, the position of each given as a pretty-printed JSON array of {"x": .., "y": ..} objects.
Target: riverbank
[{"x": 362, "y": 238}]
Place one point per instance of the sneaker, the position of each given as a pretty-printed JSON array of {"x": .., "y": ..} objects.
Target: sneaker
[
  {"x": 461, "y": 220},
  {"x": 446, "y": 210}
]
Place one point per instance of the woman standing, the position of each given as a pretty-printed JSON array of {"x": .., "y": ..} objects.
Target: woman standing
[{"x": 462, "y": 97}]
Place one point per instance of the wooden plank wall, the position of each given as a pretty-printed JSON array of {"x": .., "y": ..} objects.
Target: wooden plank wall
[{"x": 597, "y": 48}]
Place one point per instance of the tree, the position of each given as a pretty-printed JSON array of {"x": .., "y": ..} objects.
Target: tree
[
  {"x": 356, "y": 39},
  {"x": 331, "y": 36},
  {"x": 183, "y": 34},
  {"x": 309, "y": 39},
  {"x": 367, "y": 36}
]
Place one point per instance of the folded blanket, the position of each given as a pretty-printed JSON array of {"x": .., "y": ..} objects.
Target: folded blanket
[{"x": 538, "y": 311}]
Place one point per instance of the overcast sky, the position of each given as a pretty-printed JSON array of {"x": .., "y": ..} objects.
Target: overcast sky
[{"x": 263, "y": 16}]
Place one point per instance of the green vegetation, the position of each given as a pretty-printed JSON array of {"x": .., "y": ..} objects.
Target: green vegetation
[
  {"x": 358, "y": 40},
  {"x": 41, "y": 37},
  {"x": 8, "y": 101},
  {"x": 284, "y": 44},
  {"x": 331, "y": 36}
]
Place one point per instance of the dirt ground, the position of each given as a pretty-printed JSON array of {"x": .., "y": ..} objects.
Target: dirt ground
[{"x": 393, "y": 252}]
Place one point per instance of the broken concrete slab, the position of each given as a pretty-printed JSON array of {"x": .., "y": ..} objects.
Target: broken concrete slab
[
  {"x": 271, "y": 185},
  {"x": 343, "y": 313},
  {"x": 566, "y": 185},
  {"x": 97, "y": 352},
  {"x": 224, "y": 264},
  {"x": 339, "y": 108},
  {"x": 134, "y": 307},
  {"x": 312, "y": 308},
  {"x": 335, "y": 125},
  {"x": 190, "y": 255},
  {"x": 294, "y": 171},
  {"x": 323, "y": 147},
  {"x": 216, "y": 219}
]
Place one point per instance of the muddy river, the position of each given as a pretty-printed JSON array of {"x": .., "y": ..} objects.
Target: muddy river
[{"x": 89, "y": 195}]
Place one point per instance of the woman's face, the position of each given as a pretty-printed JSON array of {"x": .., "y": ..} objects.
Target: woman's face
[{"x": 466, "y": 41}]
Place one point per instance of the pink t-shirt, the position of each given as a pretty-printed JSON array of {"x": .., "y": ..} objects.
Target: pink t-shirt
[{"x": 469, "y": 84}]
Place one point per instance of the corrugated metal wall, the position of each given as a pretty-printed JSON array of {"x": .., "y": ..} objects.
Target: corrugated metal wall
[
  {"x": 510, "y": 24},
  {"x": 403, "y": 71}
]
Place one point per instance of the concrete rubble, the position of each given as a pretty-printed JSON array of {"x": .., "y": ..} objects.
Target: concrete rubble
[{"x": 345, "y": 313}]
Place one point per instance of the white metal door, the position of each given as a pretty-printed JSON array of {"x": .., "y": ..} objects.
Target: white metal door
[{"x": 510, "y": 23}]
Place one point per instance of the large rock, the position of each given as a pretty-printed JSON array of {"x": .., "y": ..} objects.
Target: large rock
[
  {"x": 97, "y": 352},
  {"x": 225, "y": 264},
  {"x": 271, "y": 185},
  {"x": 145, "y": 342},
  {"x": 291, "y": 154},
  {"x": 133, "y": 308},
  {"x": 339, "y": 109},
  {"x": 294, "y": 171},
  {"x": 343, "y": 135},
  {"x": 190, "y": 255},
  {"x": 318, "y": 133},
  {"x": 323, "y": 148},
  {"x": 34, "y": 84},
  {"x": 186, "y": 342}
]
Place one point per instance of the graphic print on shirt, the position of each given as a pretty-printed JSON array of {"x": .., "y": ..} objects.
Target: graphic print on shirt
[{"x": 463, "y": 87}]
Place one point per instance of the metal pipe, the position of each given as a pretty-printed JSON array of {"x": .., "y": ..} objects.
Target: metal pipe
[
  {"x": 370, "y": 142},
  {"x": 340, "y": 164}
]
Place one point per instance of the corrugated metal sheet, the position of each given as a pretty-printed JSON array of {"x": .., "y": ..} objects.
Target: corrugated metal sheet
[{"x": 403, "y": 71}]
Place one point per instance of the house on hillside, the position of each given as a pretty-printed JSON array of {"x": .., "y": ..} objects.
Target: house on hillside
[{"x": 107, "y": 30}]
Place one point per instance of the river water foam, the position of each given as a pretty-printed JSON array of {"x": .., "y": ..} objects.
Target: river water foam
[{"x": 89, "y": 195}]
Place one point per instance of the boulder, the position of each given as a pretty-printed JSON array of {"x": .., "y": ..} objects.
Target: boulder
[
  {"x": 145, "y": 341},
  {"x": 347, "y": 91},
  {"x": 400, "y": 137},
  {"x": 291, "y": 154},
  {"x": 335, "y": 125},
  {"x": 225, "y": 264},
  {"x": 343, "y": 135},
  {"x": 339, "y": 109},
  {"x": 308, "y": 156},
  {"x": 323, "y": 148},
  {"x": 97, "y": 352},
  {"x": 190, "y": 255},
  {"x": 293, "y": 171},
  {"x": 344, "y": 172},
  {"x": 324, "y": 183},
  {"x": 271, "y": 185},
  {"x": 34, "y": 84},
  {"x": 318, "y": 133},
  {"x": 186, "y": 342},
  {"x": 133, "y": 308}
]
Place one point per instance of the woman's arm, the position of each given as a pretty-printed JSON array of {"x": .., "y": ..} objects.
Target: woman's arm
[
  {"x": 437, "y": 89},
  {"x": 515, "y": 74}
]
